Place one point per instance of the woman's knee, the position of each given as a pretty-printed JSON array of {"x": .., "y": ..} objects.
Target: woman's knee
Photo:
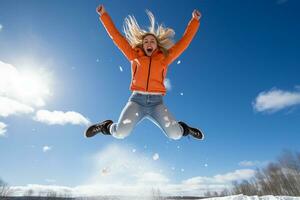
[
  {"x": 175, "y": 137},
  {"x": 174, "y": 131}
]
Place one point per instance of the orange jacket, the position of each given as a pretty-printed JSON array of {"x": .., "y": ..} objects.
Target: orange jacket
[{"x": 148, "y": 72}]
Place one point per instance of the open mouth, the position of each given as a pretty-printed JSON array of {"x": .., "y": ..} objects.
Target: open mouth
[{"x": 149, "y": 50}]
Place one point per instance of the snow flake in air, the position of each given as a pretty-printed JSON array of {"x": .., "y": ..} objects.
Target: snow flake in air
[
  {"x": 126, "y": 121},
  {"x": 167, "y": 84},
  {"x": 105, "y": 171},
  {"x": 155, "y": 156},
  {"x": 166, "y": 118},
  {"x": 133, "y": 150},
  {"x": 167, "y": 124},
  {"x": 46, "y": 148},
  {"x": 137, "y": 114},
  {"x": 182, "y": 170},
  {"x": 178, "y": 62},
  {"x": 173, "y": 168},
  {"x": 181, "y": 93},
  {"x": 121, "y": 69},
  {"x": 205, "y": 165},
  {"x": 97, "y": 60}
]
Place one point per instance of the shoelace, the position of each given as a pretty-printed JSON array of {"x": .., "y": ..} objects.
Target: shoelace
[{"x": 97, "y": 129}]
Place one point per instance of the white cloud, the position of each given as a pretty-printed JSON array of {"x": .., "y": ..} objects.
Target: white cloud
[
  {"x": 234, "y": 176},
  {"x": 46, "y": 148},
  {"x": 12, "y": 107},
  {"x": 167, "y": 83},
  {"x": 118, "y": 171},
  {"x": 142, "y": 184},
  {"x": 223, "y": 179},
  {"x": 61, "y": 118},
  {"x": 275, "y": 100},
  {"x": 2, "y": 129},
  {"x": 247, "y": 163}
]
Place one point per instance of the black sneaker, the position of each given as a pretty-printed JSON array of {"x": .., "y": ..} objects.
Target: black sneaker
[
  {"x": 196, "y": 133},
  {"x": 97, "y": 128}
]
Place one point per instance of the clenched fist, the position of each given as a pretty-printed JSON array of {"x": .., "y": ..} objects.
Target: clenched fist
[
  {"x": 197, "y": 14},
  {"x": 100, "y": 10}
]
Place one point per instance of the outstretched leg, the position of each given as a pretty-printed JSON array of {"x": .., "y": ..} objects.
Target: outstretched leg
[
  {"x": 172, "y": 128},
  {"x": 164, "y": 120}
]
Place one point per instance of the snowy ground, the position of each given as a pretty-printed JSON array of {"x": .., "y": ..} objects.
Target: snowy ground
[{"x": 244, "y": 197}]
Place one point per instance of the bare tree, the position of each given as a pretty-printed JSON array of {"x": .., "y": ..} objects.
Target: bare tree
[
  {"x": 208, "y": 194},
  {"x": 28, "y": 194},
  {"x": 4, "y": 189},
  {"x": 224, "y": 193},
  {"x": 156, "y": 194},
  {"x": 278, "y": 178}
]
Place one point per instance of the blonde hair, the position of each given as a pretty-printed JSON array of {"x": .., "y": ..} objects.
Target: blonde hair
[{"x": 135, "y": 35}]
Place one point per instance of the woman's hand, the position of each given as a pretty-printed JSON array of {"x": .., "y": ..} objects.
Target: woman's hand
[
  {"x": 197, "y": 14},
  {"x": 100, "y": 10}
]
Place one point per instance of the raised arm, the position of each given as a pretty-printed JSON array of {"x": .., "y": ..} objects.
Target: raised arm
[
  {"x": 183, "y": 43},
  {"x": 114, "y": 34}
]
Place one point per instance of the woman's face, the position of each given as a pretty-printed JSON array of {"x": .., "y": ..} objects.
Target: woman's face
[{"x": 149, "y": 44}]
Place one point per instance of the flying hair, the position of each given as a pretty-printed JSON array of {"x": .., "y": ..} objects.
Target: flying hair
[{"x": 135, "y": 35}]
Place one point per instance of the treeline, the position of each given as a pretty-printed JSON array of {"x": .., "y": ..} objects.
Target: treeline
[
  {"x": 6, "y": 194},
  {"x": 279, "y": 178}
]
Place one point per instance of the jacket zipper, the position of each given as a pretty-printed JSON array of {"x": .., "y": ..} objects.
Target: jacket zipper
[
  {"x": 149, "y": 70},
  {"x": 134, "y": 71}
]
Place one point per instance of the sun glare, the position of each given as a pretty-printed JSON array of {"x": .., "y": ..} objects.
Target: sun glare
[{"x": 33, "y": 86}]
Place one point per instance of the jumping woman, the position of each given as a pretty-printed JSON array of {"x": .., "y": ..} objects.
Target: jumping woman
[{"x": 150, "y": 53}]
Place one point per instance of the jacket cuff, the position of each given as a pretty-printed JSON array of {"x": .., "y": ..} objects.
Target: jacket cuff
[{"x": 195, "y": 19}]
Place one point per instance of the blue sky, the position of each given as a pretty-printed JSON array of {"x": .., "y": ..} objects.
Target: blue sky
[{"x": 238, "y": 81}]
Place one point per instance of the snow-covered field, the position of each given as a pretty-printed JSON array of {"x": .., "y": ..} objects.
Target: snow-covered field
[{"x": 244, "y": 197}]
